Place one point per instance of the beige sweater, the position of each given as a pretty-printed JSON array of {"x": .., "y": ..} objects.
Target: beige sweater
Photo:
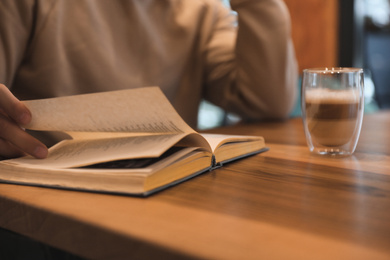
[{"x": 192, "y": 49}]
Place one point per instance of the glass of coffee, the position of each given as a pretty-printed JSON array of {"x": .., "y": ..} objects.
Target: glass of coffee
[{"x": 332, "y": 109}]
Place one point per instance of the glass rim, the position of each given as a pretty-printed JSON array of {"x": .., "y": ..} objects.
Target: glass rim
[{"x": 333, "y": 70}]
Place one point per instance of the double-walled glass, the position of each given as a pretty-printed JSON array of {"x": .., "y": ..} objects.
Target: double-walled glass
[{"x": 332, "y": 109}]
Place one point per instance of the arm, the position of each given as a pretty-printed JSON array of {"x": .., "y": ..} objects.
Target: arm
[{"x": 259, "y": 80}]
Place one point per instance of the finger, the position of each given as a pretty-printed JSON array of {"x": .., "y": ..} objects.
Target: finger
[
  {"x": 8, "y": 150},
  {"x": 12, "y": 107},
  {"x": 12, "y": 133}
]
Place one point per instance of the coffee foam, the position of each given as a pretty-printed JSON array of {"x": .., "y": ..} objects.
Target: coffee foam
[{"x": 322, "y": 95}]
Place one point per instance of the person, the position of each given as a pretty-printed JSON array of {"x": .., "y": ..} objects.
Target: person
[{"x": 243, "y": 62}]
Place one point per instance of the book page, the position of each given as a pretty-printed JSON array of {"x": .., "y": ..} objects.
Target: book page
[
  {"x": 216, "y": 140},
  {"x": 140, "y": 110},
  {"x": 231, "y": 147},
  {"x": 115, "y": 125},
  {"x": 81, "y": 152}
]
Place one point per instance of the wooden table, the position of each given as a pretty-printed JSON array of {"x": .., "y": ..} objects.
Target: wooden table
[{"x": 282, "y": 204}]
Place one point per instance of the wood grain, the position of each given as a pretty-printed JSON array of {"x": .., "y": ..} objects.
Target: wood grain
[{"x": 282, "y": 204}]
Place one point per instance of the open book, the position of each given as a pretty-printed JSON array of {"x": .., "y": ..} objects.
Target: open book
[{"x": 127, "y": 141}]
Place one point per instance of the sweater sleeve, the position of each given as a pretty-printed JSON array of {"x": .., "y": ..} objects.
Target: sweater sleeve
[
  {"x": 16, "y": 21},
  {"x": 259, "y": 79}
]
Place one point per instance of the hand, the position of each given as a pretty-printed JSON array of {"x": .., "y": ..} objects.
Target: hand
[{"x": 14, "y": 141}]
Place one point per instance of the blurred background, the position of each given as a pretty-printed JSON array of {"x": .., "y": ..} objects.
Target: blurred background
[{"x": 333, "y": 33}]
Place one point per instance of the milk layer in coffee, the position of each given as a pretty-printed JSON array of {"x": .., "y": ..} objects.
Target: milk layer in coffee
[{"x": 332, "y": 115}]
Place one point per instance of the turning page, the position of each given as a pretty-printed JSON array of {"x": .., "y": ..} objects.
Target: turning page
[
  {"x": 142, "y": 110},
  {"x": 124, "y": 124}
]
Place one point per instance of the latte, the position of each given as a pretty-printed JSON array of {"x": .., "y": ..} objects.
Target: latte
[{"x": 332, "y": 115}]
